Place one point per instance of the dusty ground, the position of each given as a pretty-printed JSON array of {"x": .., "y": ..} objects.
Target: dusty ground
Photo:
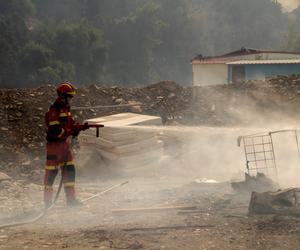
[{"x": 217, "y": 219}]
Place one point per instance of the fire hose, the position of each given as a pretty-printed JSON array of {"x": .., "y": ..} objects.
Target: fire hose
[{"x": 46, "y": 210}]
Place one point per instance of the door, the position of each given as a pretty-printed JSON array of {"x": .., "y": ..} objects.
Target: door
[{"x": 238, "y": 73}]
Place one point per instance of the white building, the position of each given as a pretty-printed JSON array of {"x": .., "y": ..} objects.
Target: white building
[{"x": 243, "y": 64}]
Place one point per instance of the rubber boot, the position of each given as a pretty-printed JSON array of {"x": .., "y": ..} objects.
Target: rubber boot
[{"x": 71, "y": 199}]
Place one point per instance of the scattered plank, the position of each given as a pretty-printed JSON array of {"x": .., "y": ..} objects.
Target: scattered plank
[
  {"x": 152, "y": 209},
  {"x": 192, "y": 212},
  {"x": 175, "y": 227}
]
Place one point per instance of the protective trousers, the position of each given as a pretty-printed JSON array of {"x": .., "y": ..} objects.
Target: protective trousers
[{"x": 59, "y": 156}]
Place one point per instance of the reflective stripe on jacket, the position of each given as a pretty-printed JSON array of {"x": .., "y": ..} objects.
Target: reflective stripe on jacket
[{"x": 59, "y": 122}]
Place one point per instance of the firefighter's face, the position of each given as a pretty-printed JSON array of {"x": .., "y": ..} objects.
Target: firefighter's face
[{"x": 69, "y": 99}]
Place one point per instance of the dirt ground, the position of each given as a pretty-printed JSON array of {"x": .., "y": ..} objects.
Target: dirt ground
[{"x": 216, "y": 218}]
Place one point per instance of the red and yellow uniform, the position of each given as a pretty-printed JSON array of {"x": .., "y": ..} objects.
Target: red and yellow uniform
[{"x": 60, "y": 127}]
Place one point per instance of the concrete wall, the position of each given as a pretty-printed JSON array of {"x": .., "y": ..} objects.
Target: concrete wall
[
  {"x": 261, "y": 71},
  {"x": 210, "y": 74}
]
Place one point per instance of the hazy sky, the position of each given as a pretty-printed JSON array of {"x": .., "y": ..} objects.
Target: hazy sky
[{"x": 289, "y": 5}]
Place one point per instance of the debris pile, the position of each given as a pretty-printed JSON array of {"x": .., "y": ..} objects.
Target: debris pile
[
  {"x": 283, "y": 202},
  {"x": 258, "y": 183}
]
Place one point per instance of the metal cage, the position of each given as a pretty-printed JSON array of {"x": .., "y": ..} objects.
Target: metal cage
[{"x": 260, "y": 154}]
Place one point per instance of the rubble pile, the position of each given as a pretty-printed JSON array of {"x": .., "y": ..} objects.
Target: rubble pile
[
  {"x": 247, "y": 103},
  {"x": 22, "y": 131},
  {"x": 288, "y": 88},
  {"x": 258, "y": 183}
]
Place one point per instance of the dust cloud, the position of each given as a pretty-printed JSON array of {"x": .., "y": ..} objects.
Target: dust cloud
[
  {"x": 287, "y": 158},
  {"x": 206, "y": 152}
]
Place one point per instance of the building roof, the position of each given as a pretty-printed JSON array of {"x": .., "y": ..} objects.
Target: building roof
[
  {"x": 242, "y": 52},
  {"x": 211, "y": 61},
  {"x": 281, "y": 61}
]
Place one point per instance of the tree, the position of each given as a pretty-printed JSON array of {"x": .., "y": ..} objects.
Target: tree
[
  {"x": 82, "y": 45},
  {"x": 13, "y": 37},
  {"x": 54, "y": 72},
  {"x": 230, "y": 24},
  {"x": 20, "y": 8},
  {"x": 34, "y": 57},
  {"x": 173, "y": 54},
  {"x": 59, "y": 10},
  {"x": 78, "y": 44},
  {"x": 132, "y": 41},
  {"x": 39, "y": 65}
]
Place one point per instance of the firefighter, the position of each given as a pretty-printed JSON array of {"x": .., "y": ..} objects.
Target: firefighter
[{"x": 60, "y": 129}]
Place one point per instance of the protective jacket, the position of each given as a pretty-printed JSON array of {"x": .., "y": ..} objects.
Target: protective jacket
[{"x": 59, "y": 122}]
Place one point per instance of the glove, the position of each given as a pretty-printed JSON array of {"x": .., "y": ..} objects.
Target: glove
[
  {"x": 85, "y": 126},
  {"x": 79, "y": 127}
]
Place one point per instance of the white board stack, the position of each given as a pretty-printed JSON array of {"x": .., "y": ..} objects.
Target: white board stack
[{"x": 122, "y": 143}]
